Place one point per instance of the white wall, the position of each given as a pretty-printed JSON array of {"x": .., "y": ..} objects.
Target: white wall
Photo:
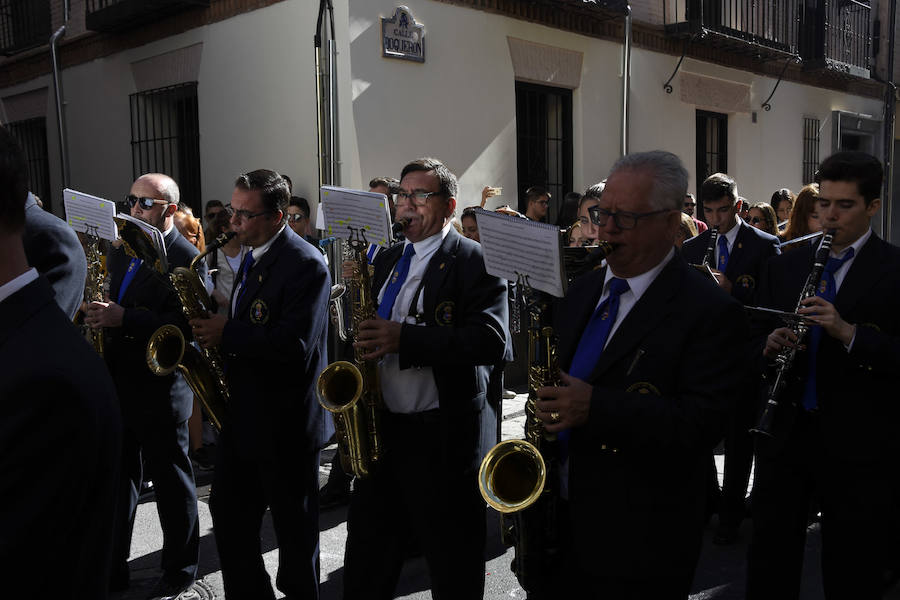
[{"x": 257, "y": 104}]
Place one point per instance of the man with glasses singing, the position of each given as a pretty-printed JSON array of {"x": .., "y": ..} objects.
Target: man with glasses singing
[
  {"x": 647, "y": 393},
  {"x": 155, "y": 409},
  {"x": 273, "y": 342},
  {"x": 440, "y": 328},
  {"x": 741, "y": 253}
]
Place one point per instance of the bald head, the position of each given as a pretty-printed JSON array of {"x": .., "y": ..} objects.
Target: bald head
[{"x": 158, "y": 187}]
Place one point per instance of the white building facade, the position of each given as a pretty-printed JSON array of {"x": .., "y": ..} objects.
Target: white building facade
[{"x": 504, "y": 97}]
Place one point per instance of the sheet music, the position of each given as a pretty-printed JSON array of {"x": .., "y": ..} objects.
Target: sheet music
[
  {"x": 90, "y": 214},
  {"x": 515, "y": 246},
  {"x": 345, "y": 208}
]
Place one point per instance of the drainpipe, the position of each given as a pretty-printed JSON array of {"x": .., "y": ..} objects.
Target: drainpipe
[
  {"x": 58, "y": 93},
  {"x": 626, "y": 79},
  {"x": 890, "y": 116}
]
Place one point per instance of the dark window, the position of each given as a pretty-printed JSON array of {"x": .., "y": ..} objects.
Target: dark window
[
  {"x": 712, "y": 148},
  {"x": 32, "y": 136},
  {"x": 544, "y": 142},
  {"x": 165, "y": 137},
  {"x": 23, "y": 24},
  {"x": 810, "y": 149}
]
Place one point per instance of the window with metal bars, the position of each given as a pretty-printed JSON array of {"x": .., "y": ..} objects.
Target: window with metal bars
[
  {"x": 712, "y": 149},
  {"x": 32, "y": 136},
  {"x": 810, "y": 149},
  {"x": 23, "y": 24},
  {"x": 544, "y": 143},
  {"x": 165, "y": 137}
]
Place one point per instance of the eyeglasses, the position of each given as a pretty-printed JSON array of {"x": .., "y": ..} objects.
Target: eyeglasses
[
  {"x": 415, "y": 198},
  {"x": 543, "y": 202},
  {"x": 246, "y": 215},
  {"x": 623, "y": 220},
  {"x": 145, "y": 203},
  {"x": 295, "y": 218}
]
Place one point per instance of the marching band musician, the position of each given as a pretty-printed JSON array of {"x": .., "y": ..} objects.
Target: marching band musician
[
  {"x": 273, "y": 343},
  {"x": 60, "y": 427},
  {"x": 835, "y": 429},
  {"x": 739, "y": 256},
  {"x": 646, "y": 394},
  {"x": 155, "y": 409},
  {"x": 442, "y": 324}
]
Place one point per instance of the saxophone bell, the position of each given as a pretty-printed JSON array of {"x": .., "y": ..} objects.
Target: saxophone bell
[{"x": 512, "y": 476}]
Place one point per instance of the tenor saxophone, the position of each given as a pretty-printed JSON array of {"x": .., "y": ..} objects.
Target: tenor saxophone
[
  {"x": 350, "y": 391},
  {"x": 167, "y": 350},
  {"x": 517, "y": 477},
  {"x": 93, "y": 290}
]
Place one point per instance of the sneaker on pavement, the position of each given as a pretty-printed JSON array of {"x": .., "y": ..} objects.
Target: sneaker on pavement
[{"x": 164, "y": 590}]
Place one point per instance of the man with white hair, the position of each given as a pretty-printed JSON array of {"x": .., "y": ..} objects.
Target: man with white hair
[{"x": 646, "y": 394}]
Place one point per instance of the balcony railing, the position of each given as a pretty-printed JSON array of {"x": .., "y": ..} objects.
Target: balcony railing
[
  {"x": 839, "y": 37},
  {"x": 761, "y": 27},
  {"x": 118, "y": 15},
  {"x": 23, "y": 24}
]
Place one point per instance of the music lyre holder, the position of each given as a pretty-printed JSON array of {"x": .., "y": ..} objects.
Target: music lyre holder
[{"x": 357, "y": 237}]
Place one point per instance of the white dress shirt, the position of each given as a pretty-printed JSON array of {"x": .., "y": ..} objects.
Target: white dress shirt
[
  {"x": 410, "y": 390},
  {"x": 729, "y": 237},
  {"x": 258, "y": 253}
]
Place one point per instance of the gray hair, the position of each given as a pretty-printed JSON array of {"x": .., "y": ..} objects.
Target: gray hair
[{"x": 670, "y": 178}]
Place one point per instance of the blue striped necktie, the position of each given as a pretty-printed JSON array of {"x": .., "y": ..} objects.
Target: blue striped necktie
[
  {"x": 827, "y": 290},
  {"x": 723, "y": 254},
  {"x": 398, "y": 278}
]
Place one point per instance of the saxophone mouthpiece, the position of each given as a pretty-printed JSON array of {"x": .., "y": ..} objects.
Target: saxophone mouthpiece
[
  {"x": 399, "y": 225},
  {"x": 224, "y": 239}
]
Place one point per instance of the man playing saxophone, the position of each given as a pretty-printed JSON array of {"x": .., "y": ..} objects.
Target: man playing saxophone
[
  {"x": 273, "y": 343},
  {"x": 834, "y": 429},
  {"x": 155, "y": 409},
  {"x": 646, "y": 394},
  {"x": 441, "y": 328}
]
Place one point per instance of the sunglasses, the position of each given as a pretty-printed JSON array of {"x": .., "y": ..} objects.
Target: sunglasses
[
  {"x": 145, "y": 203},
  {"x": 295, "y": 218},
  {"x": 756, "y": 220}
]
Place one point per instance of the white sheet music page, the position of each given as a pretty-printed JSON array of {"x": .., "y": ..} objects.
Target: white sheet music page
[
  {"x": 345, "y": 208},
  {"x": 515, "y": 246},
  {"x": 90, "y": 214}
]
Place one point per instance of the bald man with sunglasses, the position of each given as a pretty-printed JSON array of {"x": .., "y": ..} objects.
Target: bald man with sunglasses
[{"x": 155, "y": 409}]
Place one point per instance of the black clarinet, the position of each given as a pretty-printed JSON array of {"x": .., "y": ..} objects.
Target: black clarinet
[
  {"x": 785, "y": 358},
  {"x": 709, "y": 258}
]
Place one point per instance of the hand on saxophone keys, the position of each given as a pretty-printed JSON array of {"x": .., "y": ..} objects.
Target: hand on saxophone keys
[
  {"x": 378, "y": 337},
  {"x": 102, "y": 314},
  {"x": 566, "y": 406},
  {"x": 208, "y": 332}
]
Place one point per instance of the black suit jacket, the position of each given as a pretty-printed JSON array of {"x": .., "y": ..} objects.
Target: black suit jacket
[
  {"x": 275, "y": 348},
  {"x": 856, "y": 389},
  {"x": 752, "y": 248},
  {"x": 150, "y": 302},
  {"x": 464, "y": 337},
  {"x": 53, "y": 249},
  {"x": 60, "y": 447},
  {"x": 663, "y": 393}
]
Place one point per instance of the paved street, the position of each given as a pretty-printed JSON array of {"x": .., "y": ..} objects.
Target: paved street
[{"x": 720, "y": 574}]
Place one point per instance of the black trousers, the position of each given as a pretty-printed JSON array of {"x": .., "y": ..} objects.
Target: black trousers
[
  {"x": 247, "y": 482},
  {"x": 859, "y": 501},
  {"x": 163, "y": 447},
  {"x": 415, "y": 494},
  {"x": 738, "y": 459}
]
